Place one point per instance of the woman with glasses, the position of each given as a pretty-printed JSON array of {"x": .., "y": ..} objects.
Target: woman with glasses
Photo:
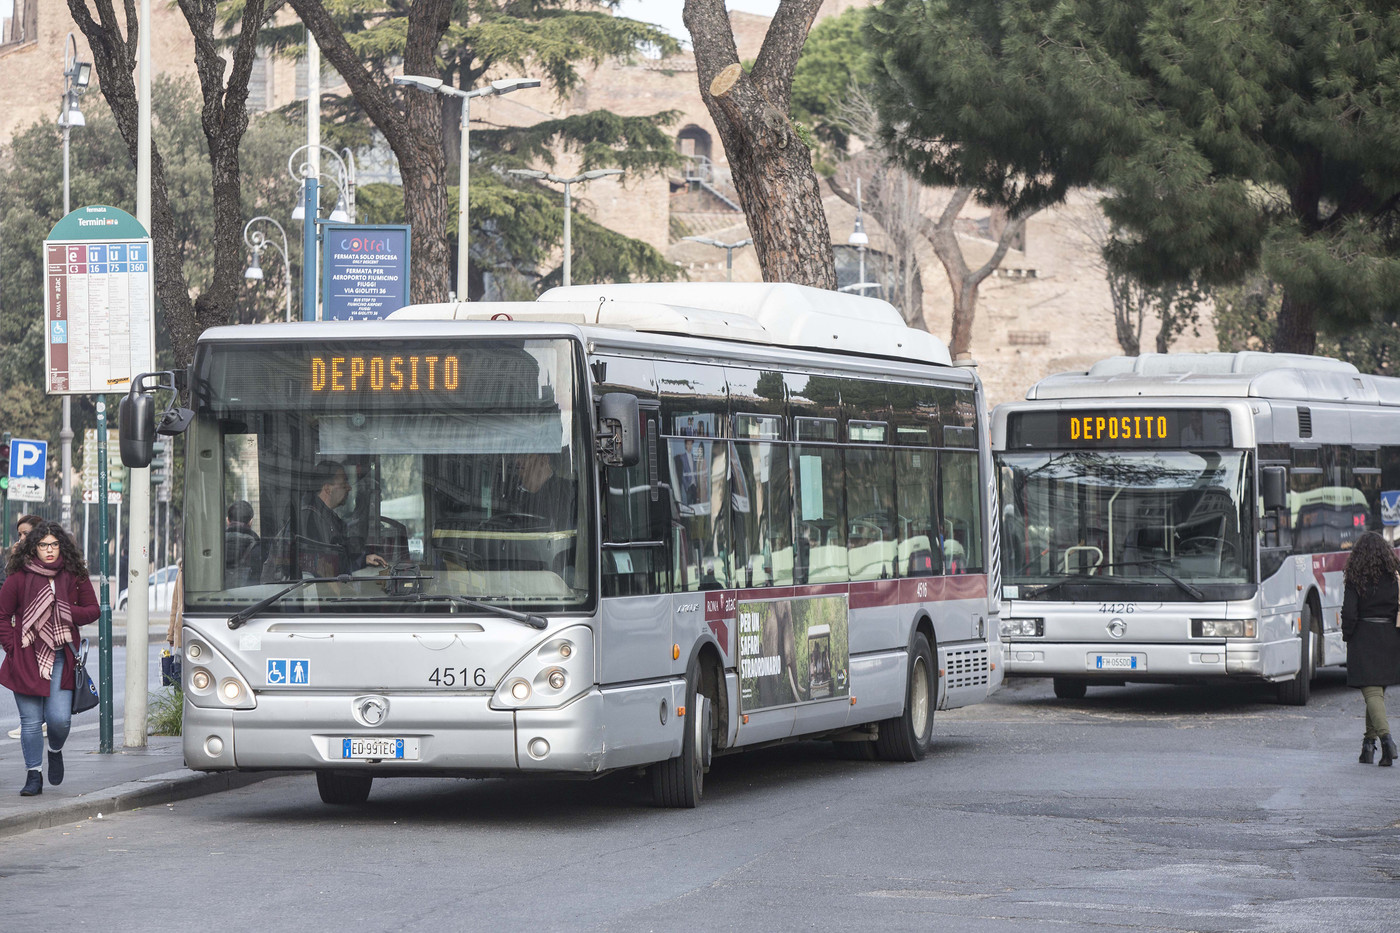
[{"x": 46, "y": 597}]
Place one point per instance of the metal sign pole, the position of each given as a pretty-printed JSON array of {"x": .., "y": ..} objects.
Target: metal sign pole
[{"x": 104, "y": 621}]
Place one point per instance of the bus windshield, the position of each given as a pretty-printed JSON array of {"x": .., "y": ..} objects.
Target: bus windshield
[
  {"x": 413, "y": 471},
  {"x": 1165, "y": 518}
]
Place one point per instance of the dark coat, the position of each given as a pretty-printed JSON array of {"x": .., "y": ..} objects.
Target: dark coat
[
  {"x": 20, "y": 670},
  {"x": 242, "y": 555},
  {"x": 1373, "y": 648}
]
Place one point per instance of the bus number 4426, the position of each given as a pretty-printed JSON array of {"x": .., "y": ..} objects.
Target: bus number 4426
[{"x": 456, "y": 676}]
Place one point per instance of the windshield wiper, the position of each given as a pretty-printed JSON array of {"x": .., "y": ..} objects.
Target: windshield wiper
[
  {"x": 525, "y": 618},
  {"x": 1156, "y": 564},
  {"x": 1075, "y": 578},
  {"x": 243, "y": 615},
  {"x": 1194, "y": 591}
]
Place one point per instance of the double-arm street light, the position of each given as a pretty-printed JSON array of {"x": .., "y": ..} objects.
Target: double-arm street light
[
  {"x": 437, "y": 86},
  {"x": 76, "y": 77},
  {"x": 345, "y": 181},
  {"x": 257, "y": 241},
  {"x": 728, "y": 248},
  {"x": 568, "y": 205}
]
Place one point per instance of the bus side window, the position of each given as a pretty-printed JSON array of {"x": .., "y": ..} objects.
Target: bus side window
[
  {"x": 960, "y": 507},
  {"x": 697, "y": 471},
  {"x": 632, "y": 500},
  {"x": 915, "y": 482}
]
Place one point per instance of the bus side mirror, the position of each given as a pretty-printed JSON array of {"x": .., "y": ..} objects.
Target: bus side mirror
[
  {"x": 619, "y": 441},
  {"x": 1274, "y": 483},
  {"x": 136, "y": 419}
]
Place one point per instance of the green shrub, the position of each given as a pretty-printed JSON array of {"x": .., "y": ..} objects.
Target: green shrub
[{"x": 165, "y": 711}]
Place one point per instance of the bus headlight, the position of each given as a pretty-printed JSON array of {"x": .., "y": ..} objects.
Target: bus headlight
[
  {"x": 1222, "y": 628},
  {"x": 1022, "y": 627},
  {"x": 215, "y": 682},
  {"x": 550, "y": 674}
]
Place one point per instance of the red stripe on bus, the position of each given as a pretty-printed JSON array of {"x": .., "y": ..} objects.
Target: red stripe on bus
[{"x": 868, "y": 594}]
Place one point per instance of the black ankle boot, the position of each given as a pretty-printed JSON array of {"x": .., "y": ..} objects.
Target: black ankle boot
[
  {"x": 56, "y": 767},
  {"x": 1368, "y": 752},
  {"x": 34, "y": 786},
  {"x": 1388, "y": 751}
]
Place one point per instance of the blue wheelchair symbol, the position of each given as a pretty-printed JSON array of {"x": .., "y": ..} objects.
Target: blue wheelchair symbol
[
  {"x": 58, "y": 332},
  {"x": 277, "y": 670}
]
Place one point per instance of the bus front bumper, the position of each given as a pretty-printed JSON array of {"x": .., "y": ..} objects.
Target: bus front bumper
[
  {"x": 1134, "y": 662},
  {"x": 450, "y": 735}
]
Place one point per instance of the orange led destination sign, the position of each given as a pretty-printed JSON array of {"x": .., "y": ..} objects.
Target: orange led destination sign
[
  {"x": 1117, "y": 427},
  {"x": 385, "y": 373},
  {"x": 1120, "y": 427}
]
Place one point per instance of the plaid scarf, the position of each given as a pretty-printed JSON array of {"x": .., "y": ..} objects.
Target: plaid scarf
[{"x": 47, "y": 618}]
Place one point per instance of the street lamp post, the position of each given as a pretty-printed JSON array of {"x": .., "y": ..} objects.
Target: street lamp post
[
  {"x": 728, "y": 248},
  {"x": 437, "y": 86},
  {"x": 308, "y": 174},
  {"x": 76, "y": 77},
  {"x": 568, "y": 205},
  {"x": 859, "y": 240},
  {"x": 257, "y": 241}
]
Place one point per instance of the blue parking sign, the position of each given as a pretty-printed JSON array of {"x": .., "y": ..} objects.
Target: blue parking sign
[{"x": 28, "y": 467}]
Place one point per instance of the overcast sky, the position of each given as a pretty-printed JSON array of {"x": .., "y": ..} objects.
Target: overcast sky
[{"x": 667, "y": 13}]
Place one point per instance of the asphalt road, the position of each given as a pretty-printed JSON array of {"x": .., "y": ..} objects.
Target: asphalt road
[{"x": 1141, "y": 808}]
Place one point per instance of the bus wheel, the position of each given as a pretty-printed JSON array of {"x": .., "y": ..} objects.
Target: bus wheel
[
  {"x": 1067, "y": 688},
  {"x": 908, "y": 737},
  {"x": 680, "y": 782},
  {"x": 346, "y": 790},
  {"x": 1298, "y": 691}
]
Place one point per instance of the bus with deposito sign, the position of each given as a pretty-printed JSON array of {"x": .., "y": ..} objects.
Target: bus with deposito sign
[
  {"x": 1187, "y": 517},
  {"x": 617, "y": 527}
]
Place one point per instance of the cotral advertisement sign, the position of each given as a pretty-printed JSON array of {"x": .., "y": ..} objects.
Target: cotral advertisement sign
[
  {"x": 792, "y": 651},
  {"x": 364, "y": 271}
]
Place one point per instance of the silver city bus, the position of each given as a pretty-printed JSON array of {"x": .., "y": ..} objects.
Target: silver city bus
[
  {"x": 619, "y": 527},
  {"x": 1187, "y": 518}
]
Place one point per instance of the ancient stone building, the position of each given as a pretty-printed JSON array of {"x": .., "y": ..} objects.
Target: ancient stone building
[{"x": 1047, "y": 309}]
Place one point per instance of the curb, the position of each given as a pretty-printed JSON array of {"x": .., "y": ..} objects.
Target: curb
[{"x": 156, "y": 789}]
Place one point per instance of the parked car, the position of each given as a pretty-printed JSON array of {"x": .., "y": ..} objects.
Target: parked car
[{"x": 161, "y": 587}]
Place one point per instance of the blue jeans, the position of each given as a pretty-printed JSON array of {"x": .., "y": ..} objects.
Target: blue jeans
[{"x": 56, "y": 709}]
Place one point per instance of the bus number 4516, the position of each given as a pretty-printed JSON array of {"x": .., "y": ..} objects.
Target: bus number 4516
[{"x": 452, "y": 677}]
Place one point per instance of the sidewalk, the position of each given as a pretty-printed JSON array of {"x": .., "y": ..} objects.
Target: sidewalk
[{"x": 94, "y": 783}]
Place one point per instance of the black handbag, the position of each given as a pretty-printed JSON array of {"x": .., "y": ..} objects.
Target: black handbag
[{"x": 84, "y": 690}]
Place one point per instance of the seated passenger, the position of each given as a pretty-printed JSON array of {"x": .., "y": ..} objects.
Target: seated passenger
[{"x": 242, "y": 546}]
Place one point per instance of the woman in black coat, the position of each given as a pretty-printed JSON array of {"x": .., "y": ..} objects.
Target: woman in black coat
[{"x": 1369, "y": 607}]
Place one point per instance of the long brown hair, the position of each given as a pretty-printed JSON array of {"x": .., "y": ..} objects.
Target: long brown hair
[
  {"x": 1372, "y": 562},
  {"x": 28, "y": 549}
]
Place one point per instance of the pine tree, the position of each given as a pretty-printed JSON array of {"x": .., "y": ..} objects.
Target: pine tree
[{"x": 1231, "y": 135}]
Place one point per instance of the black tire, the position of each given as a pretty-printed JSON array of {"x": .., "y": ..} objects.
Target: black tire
[
  {"x": 1298, "y": 691},
  {"x": 907, "y": 737},
  {"x": 854, "y": 751},
  {"x": 343, "y": 790},
  {"x": 680, "y": 782},
  {"x": 1070, "y": 688}
]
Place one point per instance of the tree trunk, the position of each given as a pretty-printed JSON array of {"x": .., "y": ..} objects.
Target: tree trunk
[
  {"x": 964, "y": 281},
  {"x": 1297, "y": 332},
  {"x": 224, "y": 119},
  {"x": 414, "y": 132},
  {"x": 771, "y": 166}
]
